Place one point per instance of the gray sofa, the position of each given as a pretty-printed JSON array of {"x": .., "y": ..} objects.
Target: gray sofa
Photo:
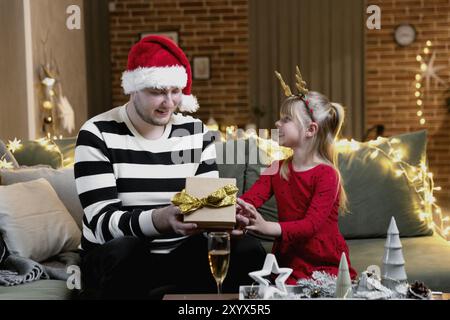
[{"x": 374, "y": 193}]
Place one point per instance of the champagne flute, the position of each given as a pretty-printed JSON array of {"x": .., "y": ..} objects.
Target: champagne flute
[{"x": 219, "y": 256}]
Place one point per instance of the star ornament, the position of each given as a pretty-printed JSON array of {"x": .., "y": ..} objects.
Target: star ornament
[
  {"x": 271, "y": 266},
  {"x": 14, "y": 145},
  {"x": 429, "y": 71},
  {"x": 5, "y": 164}
]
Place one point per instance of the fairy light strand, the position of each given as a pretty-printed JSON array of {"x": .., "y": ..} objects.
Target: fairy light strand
[
  {"x": 418, "y": 83},
  {"x": 418, "y": 177},
  {"x": 47, "y": 143}
]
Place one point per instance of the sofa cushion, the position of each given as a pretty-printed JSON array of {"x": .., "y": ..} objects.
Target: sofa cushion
[
  {"x": 5, "y": 154},
  {"x": 34, "y": 153},
  {"x": 67, "y": 148},
  {"x": 62, "y": 181},
  {"x": 427, "y": 259},
  {"x": 38, "y": 290},
  {"x": 34, "y": 222},
  {"x": 376, "y": 194}
]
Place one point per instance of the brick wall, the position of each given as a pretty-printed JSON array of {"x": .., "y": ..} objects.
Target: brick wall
[
  {"x": 214, "y": 28},
  {"x": 390, "y": 83},
  {"x": 219, "y": 29}
]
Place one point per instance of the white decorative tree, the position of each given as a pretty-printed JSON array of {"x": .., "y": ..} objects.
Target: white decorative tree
[
  {"x": 393, "y": 270},
  {"x": 343, "y": 282}
]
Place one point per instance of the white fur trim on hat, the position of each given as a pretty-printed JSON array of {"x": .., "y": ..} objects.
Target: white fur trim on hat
[
  {"x": 154, "y": 77},
  {"x": 189, "y": 103}
]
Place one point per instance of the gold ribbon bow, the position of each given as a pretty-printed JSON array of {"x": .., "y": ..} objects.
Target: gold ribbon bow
[{"x": 225, "y": 196}]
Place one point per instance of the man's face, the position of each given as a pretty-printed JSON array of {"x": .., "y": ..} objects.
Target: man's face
[{"x": 156, "y": 106}]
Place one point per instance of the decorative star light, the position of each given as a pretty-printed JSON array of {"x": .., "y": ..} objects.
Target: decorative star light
[
  {"x": 427, "y": 71},
  {"x": 271, "y": 266},
  {"x": 5, "y": 164},
  {"x": 430, "y": 71},
  {"x": 14, "y": 145}
]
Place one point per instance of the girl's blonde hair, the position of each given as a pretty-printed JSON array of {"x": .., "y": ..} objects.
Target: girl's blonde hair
[{"x": 329, "y": 117}]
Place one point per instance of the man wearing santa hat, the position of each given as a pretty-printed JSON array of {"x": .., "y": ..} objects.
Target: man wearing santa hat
[{"x": 127, "y": 169}]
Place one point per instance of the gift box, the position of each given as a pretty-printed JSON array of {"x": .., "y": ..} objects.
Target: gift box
[{"x": 210, "y": 217}]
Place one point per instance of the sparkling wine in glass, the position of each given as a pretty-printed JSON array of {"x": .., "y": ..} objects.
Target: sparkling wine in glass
[{"x": 219, "y": 256}]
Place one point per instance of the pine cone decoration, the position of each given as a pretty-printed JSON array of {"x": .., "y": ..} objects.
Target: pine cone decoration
[{"x": 418, "y": 290}]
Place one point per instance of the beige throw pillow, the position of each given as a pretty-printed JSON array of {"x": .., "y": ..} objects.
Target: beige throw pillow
[
  {"x": 34, "y": 222},
  {"x": 61, "y": 180}
]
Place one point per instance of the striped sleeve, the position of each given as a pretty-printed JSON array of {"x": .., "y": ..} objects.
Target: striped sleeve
[
  {"x": 208, "y": 165},
  {"x": 104, "y": 217}
]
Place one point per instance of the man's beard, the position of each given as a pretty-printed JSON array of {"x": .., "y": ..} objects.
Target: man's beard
[{"x": 147, "y": 118}]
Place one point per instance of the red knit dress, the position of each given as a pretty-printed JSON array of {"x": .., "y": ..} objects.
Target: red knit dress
[{"x": 308, "y": 215}]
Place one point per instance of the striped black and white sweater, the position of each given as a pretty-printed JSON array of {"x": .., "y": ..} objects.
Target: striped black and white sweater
[{"x": 121, "y": 176}]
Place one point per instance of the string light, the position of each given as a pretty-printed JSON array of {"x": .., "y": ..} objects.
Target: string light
[
  {"x": 374, "y": 154},
  {"x": 419, "y": 85},
  {"x": 47, "y": 105},
  {"x": 45, "y": 142},
  {"x": 14, "y": 145},
  {"x": 418, "y": 177},
  {"x": 5, "y": 164}
]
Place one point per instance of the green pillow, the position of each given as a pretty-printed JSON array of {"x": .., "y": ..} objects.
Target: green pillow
[
  {"x": 231, "y": 161},
  {"x": 33, "y": 153},
  {"x": 67, "y": 148},
  {"x": 376, "y": 194}
]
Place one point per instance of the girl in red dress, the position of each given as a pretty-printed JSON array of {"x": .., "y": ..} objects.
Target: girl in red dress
[{"x": 307, "y": 187}]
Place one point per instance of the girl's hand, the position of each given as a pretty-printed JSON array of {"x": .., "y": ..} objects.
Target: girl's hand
[
  {"x": 243, "y": 208},
  {"x": 257, "y": 222}
]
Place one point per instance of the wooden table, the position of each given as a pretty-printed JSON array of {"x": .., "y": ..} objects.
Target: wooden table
[
  {"x": 444, "y": 296},
  {"x": 235, "y": 296}
]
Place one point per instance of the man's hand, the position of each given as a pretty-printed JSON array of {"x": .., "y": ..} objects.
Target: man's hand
[
  {"x": 170, "y": 219},
  {"x": 242, "y": 221}
]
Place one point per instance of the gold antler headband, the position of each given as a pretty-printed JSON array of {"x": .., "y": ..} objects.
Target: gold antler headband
[
  {"x": 301, "y": 87},
  {"x": 300, "y": 84},
  {"x": 287, "y": 90}
]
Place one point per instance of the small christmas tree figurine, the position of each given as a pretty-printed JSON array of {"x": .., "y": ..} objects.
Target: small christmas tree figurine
[
  {"x": 343, "y": 282},
  {"x": 393, "y": 270}
]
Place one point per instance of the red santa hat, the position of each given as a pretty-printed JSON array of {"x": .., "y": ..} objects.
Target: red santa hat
[{"x": 157, "y": 62}]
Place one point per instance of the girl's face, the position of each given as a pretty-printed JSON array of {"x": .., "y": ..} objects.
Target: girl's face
[{"x": 290, "y": 133}]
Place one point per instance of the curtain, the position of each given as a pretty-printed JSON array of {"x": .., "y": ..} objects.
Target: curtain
[{"x": 325, "y": 38}]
